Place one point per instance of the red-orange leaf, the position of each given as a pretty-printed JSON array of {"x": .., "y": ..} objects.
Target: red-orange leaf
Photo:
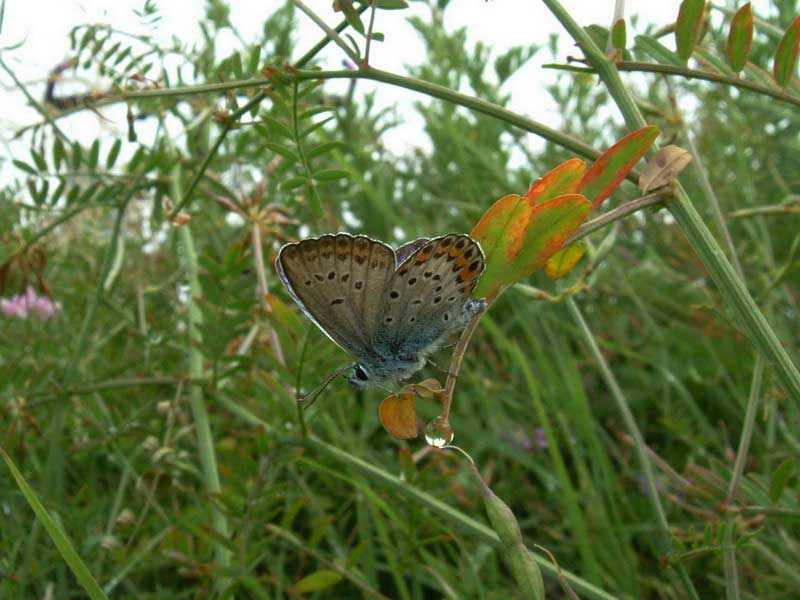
[
  {"x": 564, "y": 179},
  {"x": 398, "y": 415},
  {"x": 611, "y": 167},
  {"x": 519, "y": 236},
  {"x": 786, "y": 54},
  {"x": 740, "y": 37},
  {"x": 687, "y": 27}
]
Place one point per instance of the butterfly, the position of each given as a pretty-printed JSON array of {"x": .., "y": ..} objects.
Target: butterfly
[{"x": 389, "y": 309}]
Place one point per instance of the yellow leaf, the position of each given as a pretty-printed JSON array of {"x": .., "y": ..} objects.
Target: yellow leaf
[
  {"x": 398, "y": 415},
  {"x": 563, "y": 261}
]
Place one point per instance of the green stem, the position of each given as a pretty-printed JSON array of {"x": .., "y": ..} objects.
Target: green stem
[
  {"x": 41, "y": 109},
  {"x": 680, "y": 71},
  {"x": 729, "y": 549},
  {"x": 478, "y": 105},
  {"x": 747, "y": 429},
  {"x": 730, "y": 285},
  {"x": 331, "y": 34},
  {"x": 639, "y": 444},
  {"x": 205, "y": 440}
]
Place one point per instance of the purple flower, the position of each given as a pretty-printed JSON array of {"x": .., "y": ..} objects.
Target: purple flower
[
  {"x": 541, "y": 438},
  {"x": 21, "y": 305}
]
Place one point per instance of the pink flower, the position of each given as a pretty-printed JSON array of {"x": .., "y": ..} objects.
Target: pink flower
[
  {"x": 21, "y": 305},
  {"x": 14, "y": 307}
]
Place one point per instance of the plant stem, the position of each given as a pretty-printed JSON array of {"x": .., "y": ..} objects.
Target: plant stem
[
  {"x": 747, "y": 430},
  {"x": 455, "y": 365},
  {"x": 365, "y": 63},
  {"x": 331, "y": 33},
  {"x": 205, "y": 439},
  {"x": 263, "y": 290},
  {"x": 705, "y": 184},
  {"x": 35, "y": 103},
  {"x": 620, "y": 212},
  {"x": 680, "y": 71},
  {"x": 730, "y": 285},
  {"x": 729, "y": 549}
]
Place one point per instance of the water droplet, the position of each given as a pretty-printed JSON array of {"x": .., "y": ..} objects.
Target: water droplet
[{"x": 439, "y": 434}]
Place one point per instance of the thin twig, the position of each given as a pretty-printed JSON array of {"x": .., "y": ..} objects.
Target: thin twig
[
  {"x": 41, "y": 109},
  {"x": 620, "y": 212},
  {"x": 333, "y": 35},
  {"x": 365, "y": 62},
  {"x": 648, "y": 67},
  {"x": 263, "y": 290}
]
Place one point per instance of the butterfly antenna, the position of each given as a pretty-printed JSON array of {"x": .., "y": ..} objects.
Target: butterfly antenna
[{"x": 306, "y": 400}]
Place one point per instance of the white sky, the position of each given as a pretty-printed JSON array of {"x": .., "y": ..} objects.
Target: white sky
[{"x": 43, "y": 27}]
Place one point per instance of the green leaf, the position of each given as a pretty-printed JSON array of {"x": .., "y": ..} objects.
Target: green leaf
[
  {"x": 657, "y": 51},
  {"x": 278, "y": 126},
  {"x": 518, "y": 236},
  {"x": 72, "y": 195},
  {"x": 39, "y": 160},
  {"x": 740, "y": 38},
  {"x": 351, "y": 15},
  {"x": 780, "y": 477},
  {"x": 254, "y": 60},
  {"x": 62, "y": 543},
  {"x": 113, "y": 153},
  {"x": 619, "y": 35},
  {"x": 110, "y": 52},
  {"x": 324, "y": 148},
  {"x": 317, "y": 581},
  {"x": 611, "y": 167},
  {"x": 94, "y": 154},
  {"x": 23, "y": 166},
  {"x": 786, "y": 55},
  {"x": 687, "y": 27},
  {"x": 58, "y": 191},
  {"x": 307, "y": 114},
  {"x": 77, "y": 155},
  {"x": 58, "y": 153},
  {"x": 391, "y": 4},
  {"x": 285, "y": 151},
  {"x": 330, "y": 174},
  {"x": 293, "y": 183},
  {"x": 33, "y": 192},
  {"x": 311, "y": 129}
]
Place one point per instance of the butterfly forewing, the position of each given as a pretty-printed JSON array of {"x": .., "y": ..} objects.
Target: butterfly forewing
[
  {"x": 333, "y": 278},
  {"x": 426, "y": 296}
]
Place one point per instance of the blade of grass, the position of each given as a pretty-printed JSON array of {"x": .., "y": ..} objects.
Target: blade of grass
[{"x": 61, "y": 541}]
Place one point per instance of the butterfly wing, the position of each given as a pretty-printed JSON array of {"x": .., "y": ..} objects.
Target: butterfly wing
[
  {"x": 428, "y": 295},
  {"x": 406, "y": 250},
  {"x": 338, "y": 281}
]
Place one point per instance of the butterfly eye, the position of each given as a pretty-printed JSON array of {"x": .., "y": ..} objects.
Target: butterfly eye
[{"x": 360, "y": 373}]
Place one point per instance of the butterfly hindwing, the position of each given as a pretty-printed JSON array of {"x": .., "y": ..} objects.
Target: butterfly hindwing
[
  {"x": 332, "y": 278},
  {"x": 427, "y": 295}
]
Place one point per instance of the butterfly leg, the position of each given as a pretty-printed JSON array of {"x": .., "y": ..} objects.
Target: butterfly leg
[{"x": 434, "y": 365}]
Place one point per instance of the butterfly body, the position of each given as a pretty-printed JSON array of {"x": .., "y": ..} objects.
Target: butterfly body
[{"x": 388, "y": 309}]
